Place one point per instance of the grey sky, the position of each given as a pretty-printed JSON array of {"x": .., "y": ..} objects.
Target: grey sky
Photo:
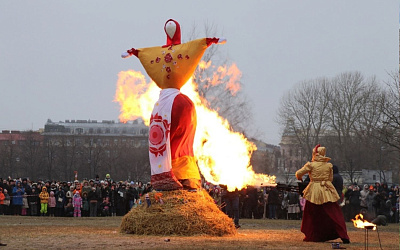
[{"x": 60, "y": 59}]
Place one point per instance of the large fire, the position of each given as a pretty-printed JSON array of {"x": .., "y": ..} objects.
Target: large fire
[
  {"x": 223, "y": 155},
  {"x": 359, "y": 222}
]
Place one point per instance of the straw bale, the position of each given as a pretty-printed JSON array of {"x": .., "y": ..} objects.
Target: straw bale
[{"x": 183, "y": 213}]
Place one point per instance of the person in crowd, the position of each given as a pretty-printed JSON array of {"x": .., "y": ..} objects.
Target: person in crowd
[
  {"x": 86, "y": 187},
  {"x": 18, "y": 193},
  {"x": 69, "y": 208},
  {"x": 385, "y": 188},
  {"x": 122, "y": 199},
  {"x": 6, "y": 202},
  {"x": 140, "y": 188},
  {"x": 85, "y": 204},
  {"x": 105, "y": 207},
  {"x": 231, "y": 199},
  {"x": 105, "y": 189},
  {"x": 34, "y": 201},
  {"x": 322, "y": 218},
  {"x": 378, "y": 187},
  {"x": 93, "y": 199},
  {"x": 77, "y": 204},
  {"x": 252, "y": 195},
  {"x": 44, "y": 200},
  {"x": 99, "y": 193},
  {"x": 2, "y": 198},
  {"x": 67, "y": 187},
  {"x": 108, "y": 179},
  {"x": 132, "y": 194},
  {"x": 337, "y": 182},
  {"x": 363, "y": 196},
  {"x": 78, "y": 188},
  {"x": 53, "y": 188},
  {"x": 273, "y": 202},
  {"x": 113, "y": 198},
  {"x": 370, "y": 201},
  {"x": 60, "y": 201},
  {"x": 97, "y": 179},
  {"x": 26, "y": 186},
  {"x": 25, "y": 205},
  {"x": 52, "y": 204},
  {"x": 354, "y": 198},
  {"x": 393, "y": 200},
  {"x": 384, "y": 205},
  {"x": 293, "y": 205},
  {"x": 70, "y": 193}
]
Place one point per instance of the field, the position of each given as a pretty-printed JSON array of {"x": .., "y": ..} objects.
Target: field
[{"x": 20, "y": 232}]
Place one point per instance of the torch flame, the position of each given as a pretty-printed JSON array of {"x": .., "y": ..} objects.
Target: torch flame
[
  {"x": 359, "y": 222},
  {"x": 223, "y": 156}
]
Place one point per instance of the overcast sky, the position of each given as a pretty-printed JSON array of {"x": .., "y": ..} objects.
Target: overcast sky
[{"x": 60, "y": 59}]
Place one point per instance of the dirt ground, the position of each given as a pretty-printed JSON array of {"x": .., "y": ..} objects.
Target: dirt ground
[{"x": 20, "y": 232}]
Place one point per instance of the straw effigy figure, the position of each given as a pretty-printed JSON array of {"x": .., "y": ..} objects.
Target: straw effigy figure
[{"x": 171, "y": 134}]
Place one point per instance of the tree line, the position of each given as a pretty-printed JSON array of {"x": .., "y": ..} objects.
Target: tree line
[
  {"x": 58, "y": 157},
  {"x": 355, "y": 117}
]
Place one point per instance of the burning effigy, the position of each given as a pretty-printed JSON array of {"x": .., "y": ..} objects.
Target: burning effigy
[{"x": 185, "y": 136}]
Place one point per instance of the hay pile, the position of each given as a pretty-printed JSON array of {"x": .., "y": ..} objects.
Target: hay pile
[{"x": 183, "y": 213}]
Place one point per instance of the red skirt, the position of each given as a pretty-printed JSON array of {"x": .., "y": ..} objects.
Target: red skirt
[{"x": 323, "y": 222}]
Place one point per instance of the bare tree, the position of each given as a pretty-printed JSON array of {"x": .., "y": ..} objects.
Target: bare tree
[
  {"x": 343, "y": 113},
  {"x": 351, "y": 94},
  {"x": 304, "y": 112}
]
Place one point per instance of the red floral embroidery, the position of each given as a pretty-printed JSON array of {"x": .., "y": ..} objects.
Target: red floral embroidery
[
  {"x": 168, "y": 76},
  {"x": 168, "y": 58},
  {"x": 158, "y": 59},
  {"x": 152, "y": 61},
  {"x": 168, "y": 69},
  {"x": 180, "y": 56},
  {"x": 158, "y": 134},
  {"x": 187, "y": 57}
]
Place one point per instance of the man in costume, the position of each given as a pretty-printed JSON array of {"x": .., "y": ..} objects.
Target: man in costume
[
  {"x": 322, "y": 218},
  {"x": 173, "y": 120}
]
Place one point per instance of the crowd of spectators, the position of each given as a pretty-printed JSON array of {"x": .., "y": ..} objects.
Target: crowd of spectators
[
  {"x": 92, "y": 198},
  {"x": 378, "y": 203},
  {"x": 107, "y": 197}
]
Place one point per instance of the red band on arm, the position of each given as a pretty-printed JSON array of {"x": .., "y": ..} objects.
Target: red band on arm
[
  {"x": 133, "y": 52},
  {"x": 210, "y": 41}
]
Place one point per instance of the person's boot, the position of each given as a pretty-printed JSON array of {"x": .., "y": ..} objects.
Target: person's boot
[{"x": 346, "y": 241}]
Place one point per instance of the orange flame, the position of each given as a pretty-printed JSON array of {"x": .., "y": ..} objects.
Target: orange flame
[
  {"x": 223, "y": 155},
  {"x": 230, "y": 76},
  {"x": 359, "y": 222}
]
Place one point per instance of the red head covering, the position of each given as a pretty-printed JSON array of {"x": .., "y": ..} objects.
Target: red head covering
[{"x": 176, "y": 38}]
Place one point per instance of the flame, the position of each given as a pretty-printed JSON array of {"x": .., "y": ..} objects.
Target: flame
[
  {"x": 223, "y": 155},
  {"x": 359, "y": 222},
  {"x": 136, "y": 97},
  {"x": 230, "y": 76}
]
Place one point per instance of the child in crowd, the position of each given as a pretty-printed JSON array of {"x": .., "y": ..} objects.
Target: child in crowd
[
  {"x": 25, "y": 204},
  {"x": 85, "y": 204},
  {"x": 6, "y": 202},
  {"x": 105, "y": 207},
  {"x": 77, "y": 204},
  {"x": 52, "y": 204},
  {"x": 44, "y": 199},
  {"x": 69, "y": 209}
]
